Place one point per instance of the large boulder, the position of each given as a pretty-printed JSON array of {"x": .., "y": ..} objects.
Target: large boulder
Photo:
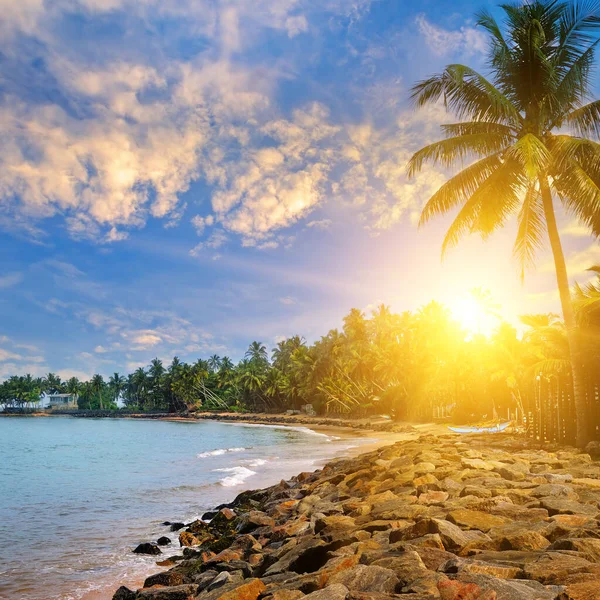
[
  {"x": 147, "y": 548},
  {"x": 475, "y": 519},
  {"x": 368, "y": 578},
  {"x": 179, "y": 592}
]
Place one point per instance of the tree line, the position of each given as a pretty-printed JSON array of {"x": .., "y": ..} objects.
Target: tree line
[{"x": 411, "y": 365}]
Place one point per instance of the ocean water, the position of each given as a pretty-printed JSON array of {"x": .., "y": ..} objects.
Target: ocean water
[{"x": 77, "y": 495}]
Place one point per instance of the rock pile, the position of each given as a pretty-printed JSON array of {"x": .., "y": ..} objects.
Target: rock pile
[{"x": 437, "y": 518}]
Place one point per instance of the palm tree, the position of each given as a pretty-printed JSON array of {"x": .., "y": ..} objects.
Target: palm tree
[
  {"x": 214, "y": 362},
  {"x": 540, "y": 62},
  {"x": 257, "y": 353},
  {"x": 97, "y": 387},
  {"x": 117, "y": 385}
]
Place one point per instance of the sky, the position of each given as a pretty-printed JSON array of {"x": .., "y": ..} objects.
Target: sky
[{"x": 181, "y": 177}]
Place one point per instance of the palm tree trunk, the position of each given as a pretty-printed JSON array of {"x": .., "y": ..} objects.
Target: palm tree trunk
[{"x": 562, "y": 279}]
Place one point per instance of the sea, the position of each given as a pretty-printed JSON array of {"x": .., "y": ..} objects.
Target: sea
[{"x": 77, "y": 495}]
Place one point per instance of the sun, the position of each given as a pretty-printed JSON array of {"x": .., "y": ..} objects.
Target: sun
[{"x": 474, "y": 314}]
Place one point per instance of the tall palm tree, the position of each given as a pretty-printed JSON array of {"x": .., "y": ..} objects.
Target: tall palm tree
[
  {"x": 514, "y": 125},
  {"x": 257, "y": 353},
  {"x": 97, "y": 387}
]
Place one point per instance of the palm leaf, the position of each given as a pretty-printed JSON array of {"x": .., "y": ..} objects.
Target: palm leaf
[
  {"x": 490, "y": 204},
  {"x": 447, "y": 151},
  {"x": 459, "y": 188},
  {"x": 532, "y": 154},
  {"x": 531, "y": 229},
  {"x": 585, "y": 120},
  {"x": 468, "y": 94}
]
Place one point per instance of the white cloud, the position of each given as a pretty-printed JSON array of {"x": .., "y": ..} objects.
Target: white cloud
[
  {"x": 321, "y": 224},
  {"x": 10, "y": 280},
  {"x": 215, "y": 240},
  {"x": 466, "y": 40},
  {"x": 288, "y": 300},
  {"x": 100, "y": 349},
  {"x": 575, "y": 229}
]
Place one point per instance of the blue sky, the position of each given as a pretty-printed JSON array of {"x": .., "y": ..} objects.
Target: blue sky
[{"x": 185, "y": 176}]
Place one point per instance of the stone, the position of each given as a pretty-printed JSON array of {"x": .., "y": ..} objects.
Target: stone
[
  {"x": 407, "y": 566},
  {"x": 456, "y": 590},
  {"x": 163, "y": 540},
  {"x": 554, "y": 489},
  {"x": 367, "y": 578},
  {"x": 507, "y": 589},
  {"x": 474, "y": 519},
  {"x": 177, "y": 526},
  {"x": 253, "y": 520},
  {"x": 588, "y": 548},
  {"x": 564, "y": 506},
  {"x": 251, "y": 589},
  {"x": 147, "y": 548},
  {"x": 285, "y": 595},
  {"x": 587, "y": 590},
  {"x": 332, "y": 592},
  {"x": 477, "y": 464},
  {"x": 124, "y": 593},
  {"x": 555, "y": 567},
  {"x": 434, "y": 497},
  {"x": 179, "y": 592},
  {"x": 167, "y": 578},
  {"x": 188, "y": 539},
  {"x": 524, "y": 540}
]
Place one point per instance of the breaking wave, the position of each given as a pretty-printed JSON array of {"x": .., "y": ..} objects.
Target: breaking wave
[{"x": 219, "y": 451}]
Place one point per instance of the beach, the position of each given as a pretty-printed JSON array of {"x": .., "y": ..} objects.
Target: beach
[{"x": 494, "y": 517}]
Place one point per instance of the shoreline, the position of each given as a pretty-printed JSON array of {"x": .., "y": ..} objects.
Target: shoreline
[{"x": 430, "y": 516}]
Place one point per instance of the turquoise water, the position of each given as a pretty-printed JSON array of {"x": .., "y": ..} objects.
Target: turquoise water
[{"x": 76, "y": 495}]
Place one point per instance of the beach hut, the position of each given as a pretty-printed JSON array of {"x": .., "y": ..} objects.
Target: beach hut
[{"x": 62, "y": 401}]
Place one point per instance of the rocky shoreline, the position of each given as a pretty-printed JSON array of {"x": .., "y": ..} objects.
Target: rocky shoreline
[{"x": 437, "y": 517}]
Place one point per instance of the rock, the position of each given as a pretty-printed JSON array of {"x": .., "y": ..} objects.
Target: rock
[
  {"x": 434, "y": 497},
  {"x": 477, "y": 464},
  {"x": 367, "y": 578},
  {"x": 588, "y": 548},
  {"x": 167, "y": 578},
  {"x": 124, "y": 593},
  {"x": 147, "y": 548},
  {"x": 555, "y": 567},
  {"x": 563, "y": 506},
  {"x": 554, "y": 489},
  {"x": 524, "y": 540},
  {"x": 177, "y": 526},
  {"x": 188, "y": 539},
  {"x": 285, "y": 595},
  {"x": 507, "y": 589},
  {"x": 253, "y": 520},
  {"x": 332, "y": 592},
  {"x": 163, "y": 541},
  {"x": 224, "y": 578},
  {"x": 424, "y": 467},
  {"x": 456, "y": 590},
  {"x": 251, "y": 589},
  {"x": 179, "y": 592},
  {"x": 587, "y": 590},
  {"x": 407, "y": 566},
  {"x": 474, "y": 519}
]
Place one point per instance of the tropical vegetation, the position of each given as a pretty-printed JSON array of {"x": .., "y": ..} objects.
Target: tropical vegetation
[
  {"x": 526, "y": 139},
  {"x": 413, "y": 365}
]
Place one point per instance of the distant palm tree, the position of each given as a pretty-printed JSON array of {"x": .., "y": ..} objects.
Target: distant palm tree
[
  {"x": 257, "y": 353},
  {"x": 214, "y": 362},
  {"x": 515, "y": 126},
  {"x": 97, "y": 387},
  {"x": 117, "y": 385}
]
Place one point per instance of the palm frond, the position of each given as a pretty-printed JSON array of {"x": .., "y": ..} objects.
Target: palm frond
[
  {"x": 466, "y": 93},
  {"x": 475, "y": 127},
  {"x": 531, "y": 229},
  {"x": 459, "y": 188},
  {"x": 531, "y": 153},
  {"x": 490, "y": 204},
  {"x": 447, "y": 152},
  {"x": 585, "y": 120}
]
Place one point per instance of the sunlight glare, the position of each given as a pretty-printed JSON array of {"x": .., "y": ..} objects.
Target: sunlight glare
[{"x": 472, "y": 316}]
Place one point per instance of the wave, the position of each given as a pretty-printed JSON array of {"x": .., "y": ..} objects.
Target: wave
[
  {"x": 298, "y": 428},
  {"x": 219, "y": 451},
  {"x": 238, "y": 475}
]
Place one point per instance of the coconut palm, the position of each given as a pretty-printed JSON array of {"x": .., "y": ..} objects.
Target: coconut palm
[
  {"x": 117, "y": 385},
  {"x": 97, "y": 385},
  {"x": 513, "y": 131},
  {"x": 257, "y": 353}
]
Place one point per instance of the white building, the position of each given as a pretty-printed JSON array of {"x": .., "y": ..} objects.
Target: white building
[{"x": 62, "y": 401}]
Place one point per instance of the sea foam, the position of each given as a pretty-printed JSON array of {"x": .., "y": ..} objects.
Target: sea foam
[
  {"x": 237, "y": 477},
  {"x": 219, "y": 451}
]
